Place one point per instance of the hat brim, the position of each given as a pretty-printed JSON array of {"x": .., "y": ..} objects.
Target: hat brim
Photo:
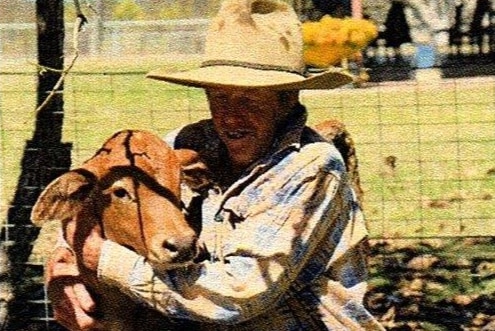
[{"x": 234, "y": 76}]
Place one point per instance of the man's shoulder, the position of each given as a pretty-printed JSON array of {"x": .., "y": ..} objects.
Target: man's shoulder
[
  {"x": 322, "y": 155},
  {"x": 320, "y": 149},
  {"x": 310, "y": 135}
]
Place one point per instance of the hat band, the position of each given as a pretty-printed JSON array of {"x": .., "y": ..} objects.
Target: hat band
[{"x": 257, "y": 66}]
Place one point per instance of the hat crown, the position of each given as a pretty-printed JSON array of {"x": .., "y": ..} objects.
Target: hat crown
[
  {"x": 255, "y": 44},
  {"x": 261, "y": 34}
]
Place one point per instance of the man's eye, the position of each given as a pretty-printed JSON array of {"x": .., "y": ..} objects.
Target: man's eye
[
  {"x": 252, "y": 103},
  {"x": 253, "y": 107},
  {"x": 222, "y": 100}
]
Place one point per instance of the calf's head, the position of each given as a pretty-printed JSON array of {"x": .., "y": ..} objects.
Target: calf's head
[{"x": 131, "y": 188}]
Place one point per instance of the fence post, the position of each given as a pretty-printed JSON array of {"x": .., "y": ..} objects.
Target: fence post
[
  {"x": 97, "y": 35},
  {"x": 45, "y": 158}
]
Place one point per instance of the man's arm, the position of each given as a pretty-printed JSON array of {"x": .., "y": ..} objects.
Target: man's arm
[
  {"x": 72, "y": 304},
  {"x": 284, "y": 219}
]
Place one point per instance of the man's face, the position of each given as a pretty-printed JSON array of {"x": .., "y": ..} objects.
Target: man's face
[{"x": 246, "y": 121}]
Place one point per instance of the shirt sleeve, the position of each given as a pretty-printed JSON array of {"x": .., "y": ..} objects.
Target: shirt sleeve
[{"x": 269, "y": 233}]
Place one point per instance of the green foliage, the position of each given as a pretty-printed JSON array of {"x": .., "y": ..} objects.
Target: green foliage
[
  {"x": 128, "y": 10},
  {"x": 213, "y": 7},
  {"x": 431, "y": 327},
  {"x": 189, "y": 9},
  {"x": 176, "y": 10}
]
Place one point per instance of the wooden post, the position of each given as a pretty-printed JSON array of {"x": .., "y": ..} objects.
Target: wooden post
[
  {"x": 51, "y": 32},
  {"x": 362, "y": 75},
  {"x": 45, "y": 158},
  {"x": 98, "y": 33},
  {"x": 357, "y": 9}
]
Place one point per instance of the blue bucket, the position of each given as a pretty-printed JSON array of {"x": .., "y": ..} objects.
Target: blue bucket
[{"x": 425, "y": 56}]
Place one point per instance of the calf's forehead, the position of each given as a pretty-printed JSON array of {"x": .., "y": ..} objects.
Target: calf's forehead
[{"x": 138, "y": 150}]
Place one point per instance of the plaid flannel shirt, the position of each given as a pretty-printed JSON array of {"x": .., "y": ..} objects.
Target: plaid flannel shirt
[{"x": 285, "y": 244}]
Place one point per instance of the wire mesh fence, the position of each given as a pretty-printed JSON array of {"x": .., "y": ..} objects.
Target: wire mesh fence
[{"x": 425, "y": 150}]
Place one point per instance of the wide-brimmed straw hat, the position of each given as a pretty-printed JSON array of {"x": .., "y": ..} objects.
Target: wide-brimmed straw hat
[{"x": 255, "y": 43}]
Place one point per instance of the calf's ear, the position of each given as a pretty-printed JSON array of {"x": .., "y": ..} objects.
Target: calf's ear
[
  {"x": 194, "y": 171},
  {"x": 62, "y": 199},
  {"x": 187, "y": 156}
]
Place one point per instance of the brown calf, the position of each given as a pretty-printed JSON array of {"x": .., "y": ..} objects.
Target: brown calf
[
  {"x": 335, "y": 131},
  {"x": 131, "y": 188}
]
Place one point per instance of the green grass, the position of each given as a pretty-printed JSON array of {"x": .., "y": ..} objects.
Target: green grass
[{"x": 442, "y": 135}]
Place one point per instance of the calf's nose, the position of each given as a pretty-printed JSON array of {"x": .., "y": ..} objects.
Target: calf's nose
[{"x": 175, "y": 249}]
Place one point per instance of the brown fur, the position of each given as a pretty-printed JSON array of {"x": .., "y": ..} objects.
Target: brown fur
[
  {"x": 335, "y": 131},
  {"x": 131, "y": 187}
]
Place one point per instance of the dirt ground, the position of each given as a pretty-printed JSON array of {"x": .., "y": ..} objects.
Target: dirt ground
[{"x": 437, "y": 284}]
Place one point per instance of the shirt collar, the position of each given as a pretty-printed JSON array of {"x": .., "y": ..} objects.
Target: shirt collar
[
  {"x": 288, "y": 138},
  {"x": 290, "y": 132}
]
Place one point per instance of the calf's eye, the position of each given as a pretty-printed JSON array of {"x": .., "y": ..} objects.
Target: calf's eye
[{"x": 121, "y": 193}]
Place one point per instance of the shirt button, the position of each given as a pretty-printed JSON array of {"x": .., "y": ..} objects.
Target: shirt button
[{"x": 218, "y": 218}]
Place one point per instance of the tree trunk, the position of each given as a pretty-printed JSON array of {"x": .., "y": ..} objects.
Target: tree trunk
[{"x": 45, "y": 158}]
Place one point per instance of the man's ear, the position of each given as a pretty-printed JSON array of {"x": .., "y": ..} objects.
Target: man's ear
[
  {"x": 194, "y": 171},
  {"x": 62, "y": 199}
]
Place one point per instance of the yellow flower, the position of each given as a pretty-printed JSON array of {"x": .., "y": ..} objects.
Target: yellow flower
[
  {"x": 331, "y": 23},
  {"x": 331, "y": 39},
  {"x": 358, "y": 39},
  {"x": 310, "y": 31}
]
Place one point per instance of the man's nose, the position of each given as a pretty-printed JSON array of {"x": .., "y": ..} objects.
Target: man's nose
[
  {"x": 234, "y": 119},
  {"x": 236, "y": 114}
]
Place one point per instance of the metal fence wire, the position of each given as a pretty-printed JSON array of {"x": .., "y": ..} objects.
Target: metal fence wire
[{"x": 425, "y": 150}]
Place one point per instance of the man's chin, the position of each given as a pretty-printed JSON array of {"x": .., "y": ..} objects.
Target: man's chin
[
  {"x": 241, "y": 158},
  {"x": 240, "y": 154}
]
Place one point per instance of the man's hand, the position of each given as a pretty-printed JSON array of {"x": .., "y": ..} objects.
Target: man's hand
[
  {"x": 86, "y": 240},
  {"x": 73, "y": 305}
]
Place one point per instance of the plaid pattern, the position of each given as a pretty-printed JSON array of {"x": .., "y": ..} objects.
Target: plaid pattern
[{"x": 284, "y": 245}]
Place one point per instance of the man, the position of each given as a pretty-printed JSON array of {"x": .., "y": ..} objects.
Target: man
[{"x": 281, "y": 234}]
